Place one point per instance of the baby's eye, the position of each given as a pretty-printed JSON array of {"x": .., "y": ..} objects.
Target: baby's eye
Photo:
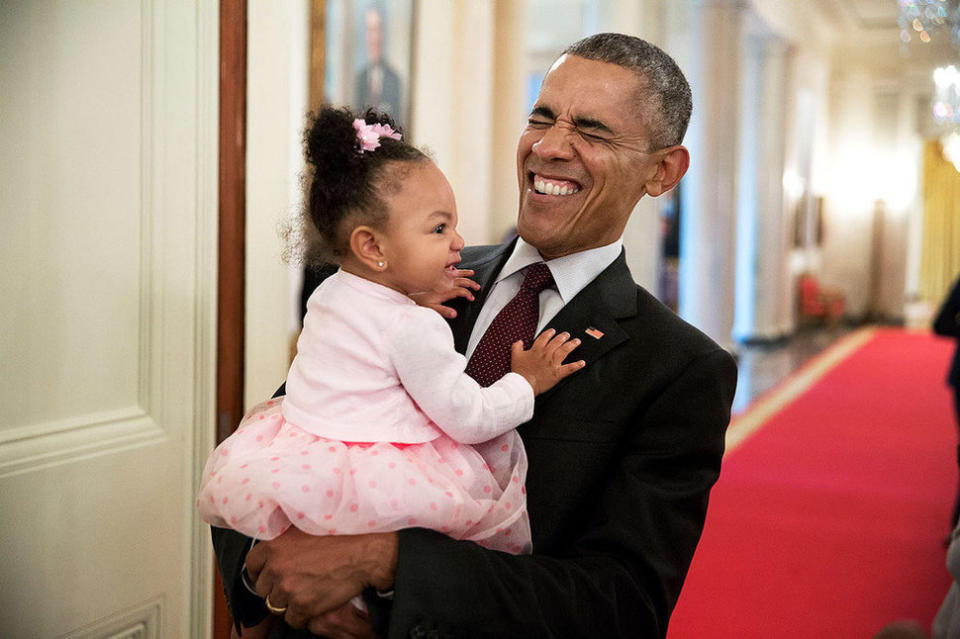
[{"x": 440, "y": 228}]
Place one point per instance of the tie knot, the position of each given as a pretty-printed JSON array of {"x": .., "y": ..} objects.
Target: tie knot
[{"x": 537, "y": 278}]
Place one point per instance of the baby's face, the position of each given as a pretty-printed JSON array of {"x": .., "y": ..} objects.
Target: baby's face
[{"x": 420, "y": 242}]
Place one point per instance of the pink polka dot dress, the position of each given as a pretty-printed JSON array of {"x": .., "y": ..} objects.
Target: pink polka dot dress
[{"x": 380, "y": 430}]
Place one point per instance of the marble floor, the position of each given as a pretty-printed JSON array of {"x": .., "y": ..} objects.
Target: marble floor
[{"x": 763, "y": 366}]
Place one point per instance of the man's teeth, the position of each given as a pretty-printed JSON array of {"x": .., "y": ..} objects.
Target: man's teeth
[{"x": 550, "y": 188}]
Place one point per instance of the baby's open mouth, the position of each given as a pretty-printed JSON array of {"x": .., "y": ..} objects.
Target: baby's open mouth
[{"x": 553, "y": 186}]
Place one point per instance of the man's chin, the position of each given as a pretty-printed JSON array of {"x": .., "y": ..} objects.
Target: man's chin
[{"x": 541, "y": 239}]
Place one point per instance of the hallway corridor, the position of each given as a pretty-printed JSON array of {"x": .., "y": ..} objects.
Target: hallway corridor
[
  {"x": 834, "y": 497},
  {"x": 763, "y": 366}
]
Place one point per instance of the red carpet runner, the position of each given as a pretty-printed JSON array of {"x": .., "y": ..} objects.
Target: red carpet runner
[{"x": 829, "y": 521}]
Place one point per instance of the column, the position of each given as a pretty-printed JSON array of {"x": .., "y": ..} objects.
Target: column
[
  {"x": 706, "y": 34},
  {"x": 509, "y": 113},
  {"x": 453, "y": 103},
  {"x": 641, "y": 238},
  {"x": 762, "y": 267}
]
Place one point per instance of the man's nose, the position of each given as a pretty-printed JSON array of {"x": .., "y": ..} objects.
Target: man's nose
[{"x": 555, "y": 144}]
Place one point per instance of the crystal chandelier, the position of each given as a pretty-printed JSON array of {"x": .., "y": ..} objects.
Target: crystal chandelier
[{"x": 923, "y": 18}]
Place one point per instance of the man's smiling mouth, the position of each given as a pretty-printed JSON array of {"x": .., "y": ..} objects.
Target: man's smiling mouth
[{"x": 551, "y": 186}]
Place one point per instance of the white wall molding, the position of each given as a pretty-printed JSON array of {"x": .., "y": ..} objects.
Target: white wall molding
[
  {"x": 200, "y": 606},
  {"x": 139, "y": 622},
  {"x": 40, "y": 446}
]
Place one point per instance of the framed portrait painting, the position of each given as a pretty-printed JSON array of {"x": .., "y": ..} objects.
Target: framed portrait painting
[{"x": 367, "y": 59}]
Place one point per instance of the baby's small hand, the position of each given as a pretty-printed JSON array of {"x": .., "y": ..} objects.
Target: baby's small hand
[
  {"x": 462, "y": 286},
  {"x": 542, "y": 365}
]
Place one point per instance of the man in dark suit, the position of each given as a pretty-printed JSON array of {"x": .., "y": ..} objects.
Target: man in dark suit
[
  {"x": 622, "y": 454},
  {"x": 947, "y": 323}
]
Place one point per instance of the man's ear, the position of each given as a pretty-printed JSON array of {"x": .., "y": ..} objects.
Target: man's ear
[
  {"x": 674, "y": 162},
  {"x": 365, "y": 244}
]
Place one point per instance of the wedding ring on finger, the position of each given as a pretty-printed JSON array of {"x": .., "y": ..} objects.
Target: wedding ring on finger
[{"x": 273, "y": 609}]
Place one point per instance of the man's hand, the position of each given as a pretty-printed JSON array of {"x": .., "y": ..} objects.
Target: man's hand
[
  {"x": 312, "y": 576},
  {"x": 462, "y": 286},
  {"x": 542, "y": 366},
  {"x": 346, "y": 622}
]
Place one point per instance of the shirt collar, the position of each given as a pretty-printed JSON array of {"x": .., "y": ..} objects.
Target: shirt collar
[{"x": 571, "y": 273}]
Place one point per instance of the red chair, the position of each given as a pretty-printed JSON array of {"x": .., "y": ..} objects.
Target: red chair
[{"x": 820, "y": 303}]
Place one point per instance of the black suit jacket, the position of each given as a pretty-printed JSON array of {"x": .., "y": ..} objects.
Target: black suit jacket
[
  {"x": 947, "y": 323},
  {"x": 622, "y": 458}
]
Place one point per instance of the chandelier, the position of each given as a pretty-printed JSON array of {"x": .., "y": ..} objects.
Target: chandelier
[{"x": 923, "y": 18}]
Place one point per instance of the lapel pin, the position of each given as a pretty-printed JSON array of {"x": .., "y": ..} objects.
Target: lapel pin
[{"x": 594, "y": 333}]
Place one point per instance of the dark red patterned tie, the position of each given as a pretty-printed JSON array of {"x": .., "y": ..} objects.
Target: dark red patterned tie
[{"x": 516, "y": 321}]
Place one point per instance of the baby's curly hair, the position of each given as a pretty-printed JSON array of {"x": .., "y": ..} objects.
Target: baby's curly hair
[{"x": 346, "y": 186}]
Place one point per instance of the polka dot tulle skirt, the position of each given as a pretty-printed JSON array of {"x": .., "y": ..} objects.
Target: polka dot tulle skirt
[{"x": 271, "y": 474}]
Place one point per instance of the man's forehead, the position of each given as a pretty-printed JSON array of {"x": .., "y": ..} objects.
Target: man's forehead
[
  {"x": 558, "y": 62},
  {"x": 591, "y": 78},
  {"x": 581, "y": 89}
]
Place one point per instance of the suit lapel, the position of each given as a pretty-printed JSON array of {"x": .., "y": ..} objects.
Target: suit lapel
[{"x": 610, "y": 297}]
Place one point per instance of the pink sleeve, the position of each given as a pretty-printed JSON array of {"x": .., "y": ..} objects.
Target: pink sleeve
[{"x": 431, "y": 371}]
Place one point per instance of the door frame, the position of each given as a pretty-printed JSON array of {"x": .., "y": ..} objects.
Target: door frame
[{"x": 231, "y": 260}]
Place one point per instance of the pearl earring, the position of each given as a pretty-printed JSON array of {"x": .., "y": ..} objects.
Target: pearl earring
[{"x": 380, "y": 264}]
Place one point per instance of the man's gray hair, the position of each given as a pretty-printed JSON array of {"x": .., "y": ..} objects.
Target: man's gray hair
[{"x": 665, "y": 101}]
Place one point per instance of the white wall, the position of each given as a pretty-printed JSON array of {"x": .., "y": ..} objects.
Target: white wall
[
  {"x": 641, "y": 238},
  {"x": 277, "y": 72},
  {"x": 852, "y": 138},
  {"x": 509, "y": 114},
  {"x": 452, "y": 103},
  {"x": 873, "y": 199},
  {"x": 805, "y": 164}
]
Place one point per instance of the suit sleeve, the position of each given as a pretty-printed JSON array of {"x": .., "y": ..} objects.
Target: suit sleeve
[
  {"x": 623, "y": 574},
  {"x": 231, "y": 549},
  {"x": 947, "y": 322}
]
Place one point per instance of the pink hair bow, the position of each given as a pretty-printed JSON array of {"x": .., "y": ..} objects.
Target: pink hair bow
[{"x": 370, "y": 134}]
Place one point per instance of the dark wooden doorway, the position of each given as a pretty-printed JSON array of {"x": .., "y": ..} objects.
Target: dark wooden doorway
[
  {"x": 232, "y": 221},
  {"x": 232, "y": 224}
]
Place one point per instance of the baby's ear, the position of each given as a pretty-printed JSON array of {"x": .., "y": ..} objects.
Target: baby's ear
[{"x": 365, "y": 246}]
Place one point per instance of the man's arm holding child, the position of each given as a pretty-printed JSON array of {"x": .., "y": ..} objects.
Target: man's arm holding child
[
  {"x": 315, "y": 577},
  {"x": 620, "y": 573},
  {"x": 621, "y": 576}
]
